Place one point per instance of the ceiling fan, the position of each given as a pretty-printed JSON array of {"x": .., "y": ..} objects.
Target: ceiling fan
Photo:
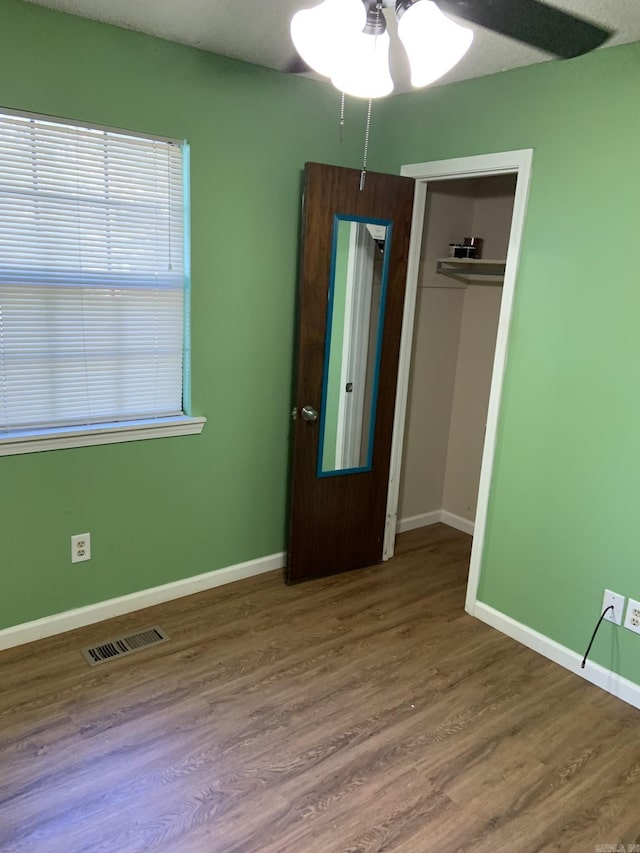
[{"x": 347, "y": 40}]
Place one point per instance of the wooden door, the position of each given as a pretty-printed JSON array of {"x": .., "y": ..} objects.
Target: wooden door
[{"x": 338, "y": 509}]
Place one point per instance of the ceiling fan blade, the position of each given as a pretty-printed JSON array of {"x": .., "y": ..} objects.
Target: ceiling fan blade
[{"x": 532, "y": 22}]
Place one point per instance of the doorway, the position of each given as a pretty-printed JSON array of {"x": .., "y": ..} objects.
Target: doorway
[
  {"x": 452, "y": 366},
  {"x": 456, "y": 322}
]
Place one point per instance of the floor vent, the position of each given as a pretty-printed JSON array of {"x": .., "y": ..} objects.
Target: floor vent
[{"x": 121, "y": 646}]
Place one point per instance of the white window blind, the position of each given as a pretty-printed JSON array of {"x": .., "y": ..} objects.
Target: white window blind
[{"x": 92, "y": 292}]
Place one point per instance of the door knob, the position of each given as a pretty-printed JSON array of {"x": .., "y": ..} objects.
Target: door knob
[{"x": 308, "y": 413}]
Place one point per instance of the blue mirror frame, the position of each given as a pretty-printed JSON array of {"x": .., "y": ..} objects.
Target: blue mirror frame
[{"x": 388, "y": 224}]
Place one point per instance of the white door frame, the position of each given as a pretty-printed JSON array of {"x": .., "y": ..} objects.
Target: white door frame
[{"x": 484, "y": 165}]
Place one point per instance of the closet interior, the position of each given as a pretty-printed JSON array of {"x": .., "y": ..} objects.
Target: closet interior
[{"x": 457, "y": 311}]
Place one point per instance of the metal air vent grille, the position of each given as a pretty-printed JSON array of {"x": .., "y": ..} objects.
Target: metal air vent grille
[{"x": 121, "y": 646}]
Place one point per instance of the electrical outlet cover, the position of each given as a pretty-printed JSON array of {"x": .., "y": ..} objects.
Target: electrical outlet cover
[
  {"x": 618, "y": 606},
  {"x": 632, "y": 619},
  {"x": 80, "y": 547}
]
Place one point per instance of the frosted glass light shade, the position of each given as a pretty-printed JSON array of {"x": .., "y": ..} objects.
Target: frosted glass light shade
[
  {"x": 434, "y": 43},
  {"x": 363, "y": 69},
  {"x": 320, "y": 33}
]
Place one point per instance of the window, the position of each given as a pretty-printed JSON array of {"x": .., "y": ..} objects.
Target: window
[{"x": 93, "y": 299}]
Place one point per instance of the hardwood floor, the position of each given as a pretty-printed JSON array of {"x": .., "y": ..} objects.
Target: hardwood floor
[{"x": 359, "y": 714}]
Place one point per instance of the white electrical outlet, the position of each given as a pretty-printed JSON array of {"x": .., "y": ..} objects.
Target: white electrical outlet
[
  {"x": 80, "y": 547},
  {"x": 632, "y": 619},
  {"x": 612, "y": 598}
]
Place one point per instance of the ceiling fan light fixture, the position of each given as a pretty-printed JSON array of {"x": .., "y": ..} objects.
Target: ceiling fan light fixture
[
  {"x": 319, "y": 33},
  {"x": 433, "y": 42},
  {"x": 362, "y": 68}
]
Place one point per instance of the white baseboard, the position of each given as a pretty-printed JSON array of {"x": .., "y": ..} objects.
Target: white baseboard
[
  {"x": 414, "y": 521},
  {"x": 608, "y": 680},
  {"x": 457, "y": 521},
  {"x": 438, "y": 515},
  {"x": 69, "y": 620}
]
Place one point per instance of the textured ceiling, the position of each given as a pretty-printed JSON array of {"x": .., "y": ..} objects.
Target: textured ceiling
[{"x": 257, "y": 31}]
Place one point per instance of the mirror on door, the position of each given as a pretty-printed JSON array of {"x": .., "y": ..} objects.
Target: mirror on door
[{"x": 355, "y": 319}]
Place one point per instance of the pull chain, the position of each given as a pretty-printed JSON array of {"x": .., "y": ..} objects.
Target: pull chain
[
  {"x": 341, "y": 125},
  {"x": 363, "y": 172}
]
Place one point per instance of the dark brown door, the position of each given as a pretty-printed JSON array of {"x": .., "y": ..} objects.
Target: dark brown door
[{"x": 354, "y": 242}]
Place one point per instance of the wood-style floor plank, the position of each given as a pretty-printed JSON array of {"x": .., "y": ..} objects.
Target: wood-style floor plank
[{"x": 358, "y": 714}]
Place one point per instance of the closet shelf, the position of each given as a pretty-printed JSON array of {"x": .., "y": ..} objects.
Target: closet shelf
[{"x": 480, "y": 269}]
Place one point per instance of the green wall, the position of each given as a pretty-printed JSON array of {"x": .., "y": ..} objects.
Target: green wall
[
  {"x": 166, "y": 509},
  {"x": 565, "y": 499},
  {"x": 562, "y": 521}
]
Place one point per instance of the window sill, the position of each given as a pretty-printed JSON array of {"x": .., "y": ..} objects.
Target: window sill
[{"x": 33, "y": 441}]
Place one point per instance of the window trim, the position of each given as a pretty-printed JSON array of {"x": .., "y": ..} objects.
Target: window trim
[
  {"x": 34, "y": 440},
  {"x": 89, "y": 435}
]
